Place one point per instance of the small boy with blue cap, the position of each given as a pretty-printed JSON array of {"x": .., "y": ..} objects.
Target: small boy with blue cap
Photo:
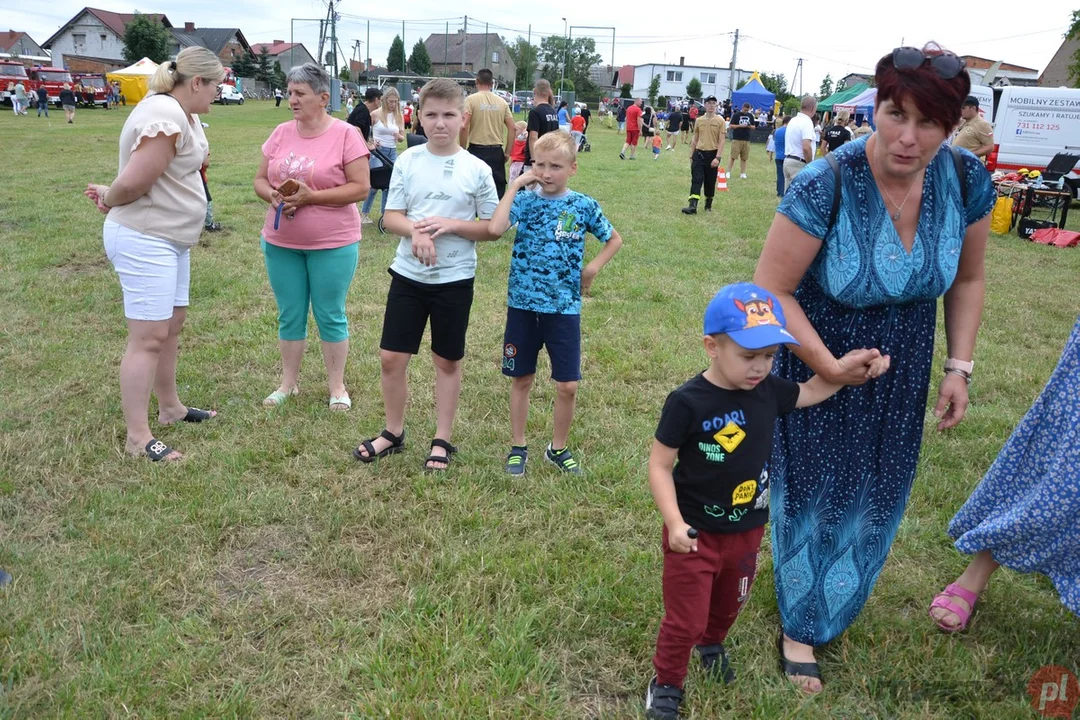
[{"x": 714, "y": 500}]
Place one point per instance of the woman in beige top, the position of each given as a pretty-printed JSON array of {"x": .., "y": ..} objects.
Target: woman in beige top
[{"x": 155, "y": 209}]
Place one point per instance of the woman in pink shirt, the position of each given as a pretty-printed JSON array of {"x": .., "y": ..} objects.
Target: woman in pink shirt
[{"x": 311, "y": 236}]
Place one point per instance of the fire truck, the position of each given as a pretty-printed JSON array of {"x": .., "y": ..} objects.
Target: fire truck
[
  {"x": 12, "y": 72},
  {"x": 94, "y": 90},
  {"x": 52, "y": 78}
]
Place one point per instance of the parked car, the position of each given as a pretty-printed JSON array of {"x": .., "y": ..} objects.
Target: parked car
[
  {"x": 229, "y": 95},
  {"x": 525, "y": 97}
]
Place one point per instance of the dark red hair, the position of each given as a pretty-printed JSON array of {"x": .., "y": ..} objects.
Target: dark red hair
[{"x": 936, "y": 98}]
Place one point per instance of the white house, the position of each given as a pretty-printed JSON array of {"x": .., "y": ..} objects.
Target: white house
[
  {"x": 95, "y": 37},
  {"x": 674, "y": 77}
]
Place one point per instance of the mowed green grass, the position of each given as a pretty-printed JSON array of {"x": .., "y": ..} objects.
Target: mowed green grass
[{"x": 271, "y": 575}]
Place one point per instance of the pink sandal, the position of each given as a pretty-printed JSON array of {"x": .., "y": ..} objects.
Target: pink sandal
[{"x": 942, "y": 601}]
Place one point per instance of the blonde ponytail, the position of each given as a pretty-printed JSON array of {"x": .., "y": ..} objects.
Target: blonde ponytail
[{"x": 191, "y": 63}]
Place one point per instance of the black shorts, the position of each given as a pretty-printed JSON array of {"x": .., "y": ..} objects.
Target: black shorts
[
  {"x": 494, "y": 157},
  {"x": 528, "y": 331},
  {"x": 686, "y": 125},
  {"x": 409, "y": 304}
]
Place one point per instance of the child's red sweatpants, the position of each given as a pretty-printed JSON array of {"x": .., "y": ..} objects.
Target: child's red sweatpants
[{"x": 703, "y": 592}]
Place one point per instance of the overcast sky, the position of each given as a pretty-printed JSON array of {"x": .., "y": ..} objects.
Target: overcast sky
[{"x": 771, "y": 37}]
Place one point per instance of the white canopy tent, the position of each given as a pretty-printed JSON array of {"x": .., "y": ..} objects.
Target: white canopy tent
[{"x": 135, "y": 79}]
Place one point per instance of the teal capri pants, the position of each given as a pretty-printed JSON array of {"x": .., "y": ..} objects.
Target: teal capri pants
[{"x": 320, "y": 278}]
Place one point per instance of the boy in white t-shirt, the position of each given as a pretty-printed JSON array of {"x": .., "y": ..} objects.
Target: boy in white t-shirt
[{"x": 437, "y": 192}]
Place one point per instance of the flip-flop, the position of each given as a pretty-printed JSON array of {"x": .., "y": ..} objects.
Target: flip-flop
[
  {"x": 278, "y": 398},
  {"x": 195, "y": 415},
  {"x": 942, "y": 601},
  {"x": 159, "y": 451},
  {"x": 343, "y": 400},
  {"x": 791, "y": 669}
]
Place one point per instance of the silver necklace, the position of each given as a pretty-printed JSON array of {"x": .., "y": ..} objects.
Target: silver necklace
[{"x": 899, "y": 208}]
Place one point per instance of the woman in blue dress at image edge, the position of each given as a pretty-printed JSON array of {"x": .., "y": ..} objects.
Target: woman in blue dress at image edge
[
  {"x": 1025, "y": 514},
  {"x": 842, "y": 471}
]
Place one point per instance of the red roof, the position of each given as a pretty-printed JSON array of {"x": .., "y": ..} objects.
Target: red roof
[
  {"x": 117, "y": 21},
  {"x": 8, "y": 39},
  {"x": 274, "y": 48},
  {"x": 114, "y": 21}
]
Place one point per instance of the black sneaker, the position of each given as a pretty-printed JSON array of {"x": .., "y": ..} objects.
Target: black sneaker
[
  {"x": 515, "y": 461},
  {"x": 662, "y": 701},
  {"x": 622, "y": 156},
  {"x": 563, "y": 459},
  {"x": 714, "y": 661}
]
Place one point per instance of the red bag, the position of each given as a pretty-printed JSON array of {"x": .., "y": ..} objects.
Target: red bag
[{"x": 1056, "y": 237}]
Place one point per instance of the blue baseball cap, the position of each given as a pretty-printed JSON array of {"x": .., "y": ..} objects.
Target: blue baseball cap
[{"x": 749, "y": 315}]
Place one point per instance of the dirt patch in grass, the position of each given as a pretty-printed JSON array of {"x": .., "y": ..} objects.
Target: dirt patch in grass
[
  {"x": 255, "y": 564},
  {"x": 274, "y": 563},
  {"x": 76, "y": 265}
]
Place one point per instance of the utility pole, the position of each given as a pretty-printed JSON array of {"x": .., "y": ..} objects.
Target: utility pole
[
  {"x": 528, "y": 71},
  {"x": 368, "y": 46},
  {"x": 464, "y": 42},
  {"x": 562, "y": 79},
  {"x": 486, "y": 62},
  {"x": 798, "y": 74},
  {"x": 333, "y": 40},
  {"x": 734, "y": 60},
  {"x": 404, "y": 53},
  {"x": 446, "y": 51}
]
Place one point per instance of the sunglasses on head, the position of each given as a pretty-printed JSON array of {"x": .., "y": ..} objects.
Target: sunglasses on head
[{"x": 946, "y": 65}]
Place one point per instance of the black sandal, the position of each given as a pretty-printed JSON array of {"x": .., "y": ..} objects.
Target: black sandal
[
  {"x": 397, "y": 444},
  {"x": 450, "y": 450},
  {"x": 195, "y": 415},
  {"x": 159, "y": 451},
  {"x": 792, "y": 669}
]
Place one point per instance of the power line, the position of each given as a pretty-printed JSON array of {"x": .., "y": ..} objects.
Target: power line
[
  {"x": 809, "y": 54},
  {"x": 1011, "y": 37}
]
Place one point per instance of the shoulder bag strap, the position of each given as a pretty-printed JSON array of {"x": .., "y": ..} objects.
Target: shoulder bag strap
[
  {"x": 961, "y": 174},
  {"x": 836, "y": 193}
]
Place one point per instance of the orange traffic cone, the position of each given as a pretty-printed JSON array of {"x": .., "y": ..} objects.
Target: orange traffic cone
[{"x": 721, "y": 181}]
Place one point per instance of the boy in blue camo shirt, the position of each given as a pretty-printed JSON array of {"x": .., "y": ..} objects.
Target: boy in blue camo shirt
[{"x": 545, "y": 288}]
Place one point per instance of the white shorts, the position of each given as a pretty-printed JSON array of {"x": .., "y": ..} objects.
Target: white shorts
[{"x": 155, "y": 275}]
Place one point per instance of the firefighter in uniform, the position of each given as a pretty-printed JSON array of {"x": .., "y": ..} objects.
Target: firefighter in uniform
[{"x": 705, "y": 151}]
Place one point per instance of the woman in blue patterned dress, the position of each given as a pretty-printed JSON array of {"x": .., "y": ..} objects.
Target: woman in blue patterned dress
[
  {"x": 870, "y": 278},
  {"x": 1025, "y": 514}
]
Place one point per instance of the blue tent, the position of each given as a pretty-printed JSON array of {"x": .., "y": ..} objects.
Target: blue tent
[{"x": 754, "y": 93}]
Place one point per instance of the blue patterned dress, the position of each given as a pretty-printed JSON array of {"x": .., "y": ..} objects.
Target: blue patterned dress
[
  {"x": 1026, "y": 510},
  {"x": 843, "y": 469}
]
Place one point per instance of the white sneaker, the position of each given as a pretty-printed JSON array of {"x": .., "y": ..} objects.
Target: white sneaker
[
  {"x": 743, "y": 176},
  {"x": 365, "y": 220}
]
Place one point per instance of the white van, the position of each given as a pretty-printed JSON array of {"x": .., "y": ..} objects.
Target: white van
[{"x": 1032, "y": 125}]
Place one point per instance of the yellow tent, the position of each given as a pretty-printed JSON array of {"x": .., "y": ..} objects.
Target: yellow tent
[{"x": 134, "y": 80}]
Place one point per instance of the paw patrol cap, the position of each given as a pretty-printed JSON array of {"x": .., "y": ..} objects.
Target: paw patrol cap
[{"x": 749, "y": 315}]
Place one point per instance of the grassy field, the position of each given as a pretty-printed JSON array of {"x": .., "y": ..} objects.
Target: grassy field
[{"x": 270, "y": 575}]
